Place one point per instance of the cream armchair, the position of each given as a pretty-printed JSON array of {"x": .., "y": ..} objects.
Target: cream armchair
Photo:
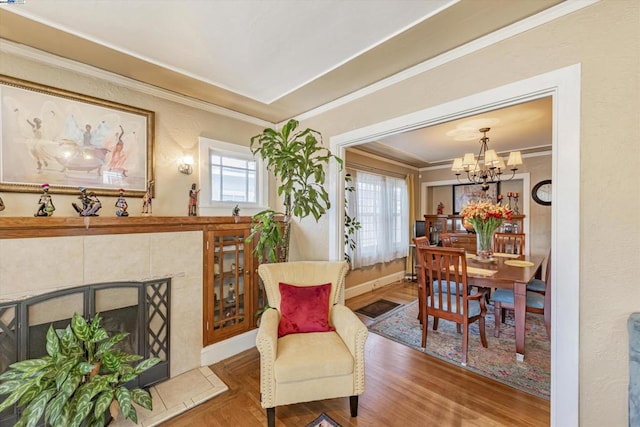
[{"x": 304, "y": 367}]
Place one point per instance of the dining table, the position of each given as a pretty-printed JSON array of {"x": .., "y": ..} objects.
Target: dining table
[{"x": 509, "y": 272}]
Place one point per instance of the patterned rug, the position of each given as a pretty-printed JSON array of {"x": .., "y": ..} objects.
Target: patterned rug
[{"x": 498, "y": 361}]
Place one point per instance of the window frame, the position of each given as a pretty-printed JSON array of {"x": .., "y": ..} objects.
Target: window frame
[{"x": 213, "y": 208}]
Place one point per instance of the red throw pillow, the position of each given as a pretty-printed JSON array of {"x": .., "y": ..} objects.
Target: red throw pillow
[{"x": 304, "y": 309}]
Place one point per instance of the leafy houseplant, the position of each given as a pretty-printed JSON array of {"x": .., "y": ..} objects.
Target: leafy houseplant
[
  {"x": 81, "y": 377},
  {"x": 298, "y": 160},
  {"x": 351, "y": 223}
]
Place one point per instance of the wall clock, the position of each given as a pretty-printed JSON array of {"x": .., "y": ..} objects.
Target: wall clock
[{"x": 541, "y": 192}]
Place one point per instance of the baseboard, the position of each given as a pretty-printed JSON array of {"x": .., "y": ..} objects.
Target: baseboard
[
  {"x": 214, "y": 353},
  {"x": 371, "y": 285}
]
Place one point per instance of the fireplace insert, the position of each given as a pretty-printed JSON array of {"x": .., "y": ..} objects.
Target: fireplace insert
[{"x": 139, "y": 308}]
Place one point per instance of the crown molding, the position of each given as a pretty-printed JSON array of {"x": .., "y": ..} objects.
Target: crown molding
[
  {"x": 544, "y": 17},
  {"x": 380, "y": 158},
  {"x": 9, "y": 47}
]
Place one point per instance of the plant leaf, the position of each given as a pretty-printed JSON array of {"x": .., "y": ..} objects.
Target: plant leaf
[
  {"x": 53, "y": 343},
  {"x": 124, "y": 400},
  {"x": 31, "y": 365},
  {"x": 80, "y": 327},
  {"x": 102, "y": 402},
  {"x": 17, "y": 393},
  {"x": 146, "y": 364},
  {"x": 35, "y": 409},
  {"x": 142, "y": 398}
]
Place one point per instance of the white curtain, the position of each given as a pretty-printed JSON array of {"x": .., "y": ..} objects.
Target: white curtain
[{"x": 380, "y": 203}]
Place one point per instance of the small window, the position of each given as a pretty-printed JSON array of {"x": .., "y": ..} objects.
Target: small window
[
  {"x": 230, "y": 175},
  {"x": 233, "y": 179}
]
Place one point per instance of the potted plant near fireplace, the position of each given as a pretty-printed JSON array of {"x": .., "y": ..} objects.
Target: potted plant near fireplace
[
  {"x": 82, "y": 376},
  {"x": 298, "y": 160}
]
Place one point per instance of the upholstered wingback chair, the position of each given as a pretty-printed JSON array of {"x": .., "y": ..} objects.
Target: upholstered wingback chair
[{"x": 307, "y": 366}]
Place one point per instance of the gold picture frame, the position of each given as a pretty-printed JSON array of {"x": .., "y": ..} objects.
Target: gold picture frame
[{"x": 69, "y": 140}]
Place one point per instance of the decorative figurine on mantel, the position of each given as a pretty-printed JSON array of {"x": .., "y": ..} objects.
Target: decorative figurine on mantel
[
  {"x": 147, "y": 199},
  {"x": 121, "y": 204},
  {"x": 440, "y": 208},
  {"x": 236, "y": 213},
  {"x": 45, "y": 203},
  {"x": 193, "y": 200},
  {"x": 1, "y": 205},
  {"x": 90, "y": 203}
]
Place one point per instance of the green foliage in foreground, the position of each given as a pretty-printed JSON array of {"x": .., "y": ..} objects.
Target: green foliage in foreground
[{"x": 78, "y": 379}]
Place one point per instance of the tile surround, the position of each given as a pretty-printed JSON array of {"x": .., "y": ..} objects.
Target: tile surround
[
  {"x": 32, "y": 266},
  {"x": 177, "y": 395}
]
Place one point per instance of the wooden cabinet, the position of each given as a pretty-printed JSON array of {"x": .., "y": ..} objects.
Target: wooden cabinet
[
  {"x": 232, "y": 289},
  {"x": 452, "y": 224}
]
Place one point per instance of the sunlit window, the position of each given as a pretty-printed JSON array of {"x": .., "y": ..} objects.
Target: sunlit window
[
  {"x": 230, "y": 176},
  {"x": 233, "y": 179}
]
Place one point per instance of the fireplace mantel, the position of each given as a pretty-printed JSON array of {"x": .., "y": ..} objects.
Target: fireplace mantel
[{"x": 26, "y": 227}]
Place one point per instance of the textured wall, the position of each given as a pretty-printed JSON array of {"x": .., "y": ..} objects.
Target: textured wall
[
  {"x": 177, "y": 128},
  {"x": 605, "y": 39},
  {"x": 39, "y": 265}
]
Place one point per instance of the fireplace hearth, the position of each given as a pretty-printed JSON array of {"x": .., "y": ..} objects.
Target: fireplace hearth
[{"x": 139, "y": 308}]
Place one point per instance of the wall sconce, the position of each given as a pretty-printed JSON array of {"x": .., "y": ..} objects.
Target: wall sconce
[{"x": 186, "y": 165}]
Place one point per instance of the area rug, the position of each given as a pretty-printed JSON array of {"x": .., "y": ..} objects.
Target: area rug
[
  {"x": 498, "y": 361},
  {"x": 377, "y": 308},
  {"x": 323, "y": 420}
]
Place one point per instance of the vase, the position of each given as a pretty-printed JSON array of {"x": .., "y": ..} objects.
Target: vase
[{"x": 484, "y": 244}]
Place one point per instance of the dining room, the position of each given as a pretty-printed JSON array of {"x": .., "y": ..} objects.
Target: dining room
[{"x": 435, "y": 188}]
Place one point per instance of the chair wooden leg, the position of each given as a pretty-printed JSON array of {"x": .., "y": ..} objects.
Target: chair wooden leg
[
  {"x": 459, "y": 328},
  {"x": 425, "y": 325},
  {"x": 483, "y": 335},
  {"x": 435, "y": 323},
  {"x": 353, "y": 403},
  {"x": 271, "y": 417},
  {"x": 497, "y": 308},
  {"x": 465, "y": 343}
]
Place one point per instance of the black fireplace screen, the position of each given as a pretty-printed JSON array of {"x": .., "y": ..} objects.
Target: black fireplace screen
[{"x": 139, "y": 308}]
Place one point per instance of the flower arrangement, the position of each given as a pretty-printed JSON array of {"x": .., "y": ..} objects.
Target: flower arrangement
[{"x": 485, "y": 217}]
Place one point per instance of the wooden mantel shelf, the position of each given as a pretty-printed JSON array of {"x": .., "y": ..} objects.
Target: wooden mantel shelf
[{"x": 25, "y": 227}]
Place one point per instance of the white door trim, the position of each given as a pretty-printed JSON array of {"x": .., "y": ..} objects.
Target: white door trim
[{"x": 563, "y": 85}]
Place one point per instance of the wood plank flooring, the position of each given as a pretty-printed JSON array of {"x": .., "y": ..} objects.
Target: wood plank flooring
[{"x": 404, "y": 388}]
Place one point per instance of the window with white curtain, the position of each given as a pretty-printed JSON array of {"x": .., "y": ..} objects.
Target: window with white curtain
[{"x": 380, "y": 204}]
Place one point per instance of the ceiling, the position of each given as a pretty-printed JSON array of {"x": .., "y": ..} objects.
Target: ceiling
[
  {"x": 277, "y": 59},
  {"x": 526, "y": 127}
]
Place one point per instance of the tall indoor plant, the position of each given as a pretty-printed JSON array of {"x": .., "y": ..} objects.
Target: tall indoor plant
[
  {"x": 82, "y": 376},
  {"x": 298, "y": 161}
]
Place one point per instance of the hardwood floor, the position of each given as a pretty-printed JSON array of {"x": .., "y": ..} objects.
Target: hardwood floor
[{"x": 404, "y": 388}]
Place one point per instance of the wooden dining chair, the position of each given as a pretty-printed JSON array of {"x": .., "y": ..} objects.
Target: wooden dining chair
[
  {"x": 509, "y": 243},
  {"x": 504, "y": 299},
  {"x": 447, "y": 240},
  {"x": 446, "y": 295},
  {"x": 420, "y": 242},
  {"x": 540, "y": 285}
]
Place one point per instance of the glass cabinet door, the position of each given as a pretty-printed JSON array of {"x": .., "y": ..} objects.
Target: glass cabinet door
[{"x": 229, "y": 289}]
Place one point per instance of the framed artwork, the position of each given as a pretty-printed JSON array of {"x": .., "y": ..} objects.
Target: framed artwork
[
  {"x": 465, "y": 193},
  {"x": 69, "y": 140}
]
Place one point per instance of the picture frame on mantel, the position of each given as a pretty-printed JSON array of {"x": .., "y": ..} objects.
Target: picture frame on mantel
[
  {"x": 69, "y": 140},
  {"x": 465, "y": 193}
]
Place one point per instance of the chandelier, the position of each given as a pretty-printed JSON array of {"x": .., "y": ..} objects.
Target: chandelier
[{"x": 488, "y": 166}]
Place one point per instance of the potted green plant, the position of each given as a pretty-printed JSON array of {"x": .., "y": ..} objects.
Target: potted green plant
[
  {"x": 351, "y": 223},
  {"x": 82, "y": 376},
  {"x": 298, "y": 161}
]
